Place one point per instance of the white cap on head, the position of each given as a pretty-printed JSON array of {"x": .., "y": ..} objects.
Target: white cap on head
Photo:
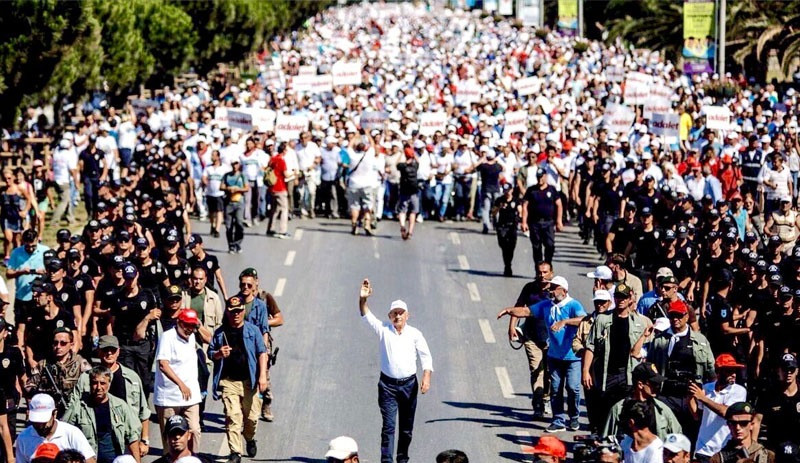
[
  {"x": 560, "y": 281},
  {"x": 398, "y": 304},
  {"x": 602, "y": 295},
  {"x": 661, "y": 324},
  {"x": 341, "y": 448},
  {"x": 664, "y": 272},
  {"x": 41, "y": 408},
  {"x": 677, "y": 443},
  {"x": 601, "y": 272}
]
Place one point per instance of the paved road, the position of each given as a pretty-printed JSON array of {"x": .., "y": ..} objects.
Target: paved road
[{"x": 326, "y": 377}]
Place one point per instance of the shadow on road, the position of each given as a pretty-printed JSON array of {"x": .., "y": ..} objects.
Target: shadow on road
[{"x": 486, "y": 273}]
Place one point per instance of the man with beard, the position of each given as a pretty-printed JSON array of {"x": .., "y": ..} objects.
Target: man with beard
[{"x": 45, "y": 427}]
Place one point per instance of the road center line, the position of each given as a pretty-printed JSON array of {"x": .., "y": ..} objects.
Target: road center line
[
  {"x": 454, "y": 238},
  {"x": 486, "y": 329},
  {"x": 279, "y": 286},
  {"x": 474, "y": 295},
  {"x": 298, "y": 234},
  {"x": 289, "y": 258},
  {"x": 505, "y": 382},
  {"x": 463, "y": 263}
]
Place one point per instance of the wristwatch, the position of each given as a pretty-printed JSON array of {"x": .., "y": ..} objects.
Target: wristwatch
[{"x": 146, "y": 442}]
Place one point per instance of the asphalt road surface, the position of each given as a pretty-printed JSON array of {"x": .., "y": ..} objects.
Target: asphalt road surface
[{"x": 325, "y": 380}]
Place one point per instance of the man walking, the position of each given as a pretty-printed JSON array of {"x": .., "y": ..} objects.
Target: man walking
[
  {"x": 541, "y": 214},
  {"x": 401, "y": 345},
  {"x": 235, "y": 186}
]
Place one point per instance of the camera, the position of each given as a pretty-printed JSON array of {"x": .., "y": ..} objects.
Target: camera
[
  {"x": 590, "y": 448},
  {"x": 677, "y": 382}
]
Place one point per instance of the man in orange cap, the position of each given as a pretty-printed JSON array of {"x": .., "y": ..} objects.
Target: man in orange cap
[
  {"x": 550, "y": 449},
  {"x": 46, "y": 452}
]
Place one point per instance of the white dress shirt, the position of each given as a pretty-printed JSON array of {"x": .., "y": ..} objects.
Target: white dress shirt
[{"x": 399, "y": 351}]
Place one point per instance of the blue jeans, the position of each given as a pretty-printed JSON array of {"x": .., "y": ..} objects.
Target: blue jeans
[
  {"x": 397, "y": 399},
  {"x": 488, "y": 199},
  {"x": 441, "y": 194},
  {"x": 561, "y": 370}
]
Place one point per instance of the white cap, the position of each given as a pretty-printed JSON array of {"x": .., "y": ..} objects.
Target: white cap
[
  {"x": 664, "y": 272},
  {"x": 661, "y": 324},
  {"x": 398, "y": 304},
  {"x": 41, "y": 408},
  {"x": 560, "y": 281},
  {"x": 677, "y": 443},
  {"x": 602, "y": 295},
  {"x": 342, "y": 448},
  {"x": 601, "y": 272}
]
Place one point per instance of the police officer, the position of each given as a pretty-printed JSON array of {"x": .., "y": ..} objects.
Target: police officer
[
  {"x": 506, "y": 212},
  {"x": 541, "y": 214}
]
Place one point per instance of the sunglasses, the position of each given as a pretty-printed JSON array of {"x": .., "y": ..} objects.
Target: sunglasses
[
  {"x": 60, "y": 343},
  {"x": 236, "y": 311},
  {"x": 738, "y": 423},
  {"x": 246, "y": 285},
  {"x": 668, "y": 287},
  {"x": 675, "y": 315}
]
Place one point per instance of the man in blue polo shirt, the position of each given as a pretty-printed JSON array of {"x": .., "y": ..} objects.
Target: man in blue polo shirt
[
  {"x": 562, "y": 314},
  {"x": 26, "y": 264}
]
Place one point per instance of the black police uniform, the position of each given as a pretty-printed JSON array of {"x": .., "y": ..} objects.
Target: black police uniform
[
  {"x": 506, "y": 226},
  {"x": 136, "y": 354},
  {"x": 541, "y": 204}
]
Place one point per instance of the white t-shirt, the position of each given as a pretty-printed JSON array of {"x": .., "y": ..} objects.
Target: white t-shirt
[
  {"x": 363, "y": 176},
  {"x": 66, "y": 436},
  {"x": 214, "y": 176},
  {"x": 127, "y": 136},
  {"x": 714, "y": 432},
  {"x": 64, "y": 160},
  {"x": 442, "y": 164},
  {"x": 182, "y": 357},
  {"x": 253, "y": 164},
  {"x": 781, "y": 179},
  {"x": 650, "y": 454}
]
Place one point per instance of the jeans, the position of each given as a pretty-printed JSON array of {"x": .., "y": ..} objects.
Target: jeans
[
  {"x": 462, "y": 187},
  {"x": 564, "y": 373},
  {"x": 397, "y": 399},
  {"x": 441, "y": 194},
  {"x": 488, "y": 198},
  {"x": 234, "y": 228}
]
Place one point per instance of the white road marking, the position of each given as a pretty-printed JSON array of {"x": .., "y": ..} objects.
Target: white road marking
[
  {"x": 298, "y": 234},
  {"x": 486, "y": 329},
  {"x": 505, "y": 382},
  {"x": 455, "y": 238},
  {"x": 223, "y": 446},
  {"x": 279, "y": 286},
  {"x": 289, "y": 258},
  {"x": 474, "y": 295},
  {"x": 463, "y": 263},
  {"x": 375, "y": 248}
]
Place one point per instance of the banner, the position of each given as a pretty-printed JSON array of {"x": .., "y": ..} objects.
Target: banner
[
  {"x": 307, "y": 70},
  {"x": 699, "y": 47},
  {"x": 717, "y": 117},
  {"x": 240, "y": 119},
  {"x": 516, "y": 121},
  {"x": 659, "y": 100},
  {"x": 432, "y": 122},
  {"x": 528, "y": 13},
  {"x": 665, "y": 124},
  {"x": 247, "y": 119},
  {"x": 373, "y": 120},
  {"x": 313, "y": 83},
  {"x": 346, "y": 73},
  {"x": 528, "y": 85},
  {"x": 618, "y": 118},
  {"x": 273, "y": 78},
  {"x": 289, "y": 127},
  {"x": 505, "y": 7},
  {"x": 263, "y": 119},
  {"x": 568, "y": 15},
  {"x": 468, "y": 91},
  {"x": 637, "y": 88}
]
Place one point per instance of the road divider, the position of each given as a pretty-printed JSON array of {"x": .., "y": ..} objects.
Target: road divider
[
  {"x": 486, "y": 330},
  {"x": 289, "y": 258},
  {"x": 279, "y": 287},
  {"x": 505, "y": 382},
  {"x": 474, "y": 295}
]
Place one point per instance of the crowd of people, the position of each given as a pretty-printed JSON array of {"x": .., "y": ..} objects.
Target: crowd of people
[{"x": 689, "y": 348}]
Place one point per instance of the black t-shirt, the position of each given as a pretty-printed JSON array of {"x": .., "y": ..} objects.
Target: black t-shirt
[
  {"x": 718, "y": 311},
  {"x": 210, "y": 264},
  {"x": 409, "y": 184},
  {"x": 235, "y": 367},
  {"x": 106, "y": 448},
  {"x": 620, "y": 346},
  {"x": 644, "y": 244},
  {"x": 83, "y": 284},
  {"x": 178, "y": 272},
  {"x": 541, "y": 203},
  {"x": 11, "y": 367},
  {"x": 535, "y": 329},
  {"x": 117, "y": 388},
  {"x": 781, "y": 417},
  {"x": 609, "y": 199},
  {"x": 106, "y": 293},
  {"x": 624, "y": 233},
  {"x": 632, "y": 190},
  {"x": 67, "y": 297},
  {"x": 40, "y": 187},
  {"x": 490, "y": 176},
  {"x": 39, "y": 330},
  {"x": 130, "y": 311},
  {"x": 93, "y": 163},
  {"x": 152, "y": 276},
  {"x": 507, "y": 215}
]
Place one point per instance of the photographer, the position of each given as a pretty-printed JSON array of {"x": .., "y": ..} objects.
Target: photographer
[{"x": 683, "y": 356}]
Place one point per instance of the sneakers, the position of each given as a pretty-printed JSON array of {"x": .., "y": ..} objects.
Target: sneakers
[
  {"x": 556, "y": 427},
  {"x": 574, "y": 424},
  {"x": 485, "y": 230},
  {"x": 234, "y": 458},
  {"x": 283, "y": 236},
  {"x": 251, "y": 447},
  {"x": 548, "y": 410},
  {"x": 266, "y": 412}
]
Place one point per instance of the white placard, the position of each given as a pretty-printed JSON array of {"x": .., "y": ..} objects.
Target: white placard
[
  {"x": 346, "y": 73},
  {"x": 468, "y": 91},
  {"x": 618, "y": 118},
  {"x": 140, "y": 105},
  {"x": 432, "y": 122},
  {"x": 637, "y": 88},
  {"x": 665, "y": 124},
  {"x": 615, "y": 73},
  {"x": 240, "y": 119},
  {"x": 516, "y": 121},
  {"x": 505, "y": 7},
  {"x": 659, "y": 100},
  {"x": 528, "y": 85},
  {"x": 221, "y": 117},
  {"x": 373, "y": 120},
  {"x": 289, "y": 127},
  {"x": 717, "y": 117},
  {"x": 307, "y": 71},
  {"x": 263, "y": 119}
]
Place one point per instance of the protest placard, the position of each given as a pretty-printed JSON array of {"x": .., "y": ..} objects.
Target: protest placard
[
  {"x": 346, "y": 73},
  {"x": 140, "y": 105},
  {"x": 637, "y": 88},
  {"x": 289, "y": 127},
  {"x": 432, "y": 122},
  {"x": 516, "y": 121},
  {"x": 240, "y": 119},
  {"x": 528, "y": 85},
  {"x": 717, "y": 117},
  {"x": 665, "y": 124},
  {"x": 373, "y": 120},
  {"x": 618, "y": 118},
  {"x": 659, "y": 100},
  {"x": 468, "y": 91}
]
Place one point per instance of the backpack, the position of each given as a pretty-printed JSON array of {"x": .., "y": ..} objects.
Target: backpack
[
  {"x": 270, "y": 177},
  {"x": 408, "y": 181}
]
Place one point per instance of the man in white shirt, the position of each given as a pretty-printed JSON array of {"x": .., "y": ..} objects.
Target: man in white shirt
[
  {"x": 46, "y": 428},
  {"x": 401, "y": 345},
  {"x": 640, "y": 444},
  {"x": 714, "y": 398},
  {"x": 177, "y": 389},
  {"x": 309, "y": 157},
  {"x": 65, "y": 168}
]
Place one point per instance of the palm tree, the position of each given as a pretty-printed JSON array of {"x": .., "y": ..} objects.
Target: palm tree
[{"x": 653, "y": 24}]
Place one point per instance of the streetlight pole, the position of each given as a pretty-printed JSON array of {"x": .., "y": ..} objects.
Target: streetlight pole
[
  {"x": 580, "y": 18},
  {"x": 722, "y": 33}
]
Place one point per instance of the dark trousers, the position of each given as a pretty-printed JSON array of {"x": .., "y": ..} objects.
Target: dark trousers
[
  {"x": 462, "y": 187},
  {"x": 234, "y": 228},
  {"x": 90, "y": 195},
  {"x": 397, "y": 399},
  {"x": 507, "y": 239},
  {"x": 327, "y": 197},
  {"x": 138, "y": 356},
  {"x": 543, "y": 240},
  {"x": 616, "y": 389}
]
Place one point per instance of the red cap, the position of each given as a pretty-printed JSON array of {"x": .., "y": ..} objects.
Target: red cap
[
  {"x": 726, "y": 361},
  {"x": 429, "y": 148},
  {"x": 550, "y": 445},
  {"x": 46, "y": 450},
  {"x": 726, "y": 159},
  {"x": 189, "y": 316},
  {"x": 678, "y": 307}
]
